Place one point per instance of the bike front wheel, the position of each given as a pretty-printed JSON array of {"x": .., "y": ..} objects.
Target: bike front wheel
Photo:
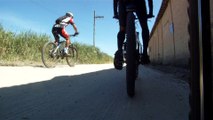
[
  {"x": 131, "y": 59},
  {"x": 73, "y": 56},
  {"x": 48, "y": 55}
]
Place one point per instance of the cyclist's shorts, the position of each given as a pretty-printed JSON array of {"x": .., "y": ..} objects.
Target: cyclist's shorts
[{"x": 61, "y": 31}]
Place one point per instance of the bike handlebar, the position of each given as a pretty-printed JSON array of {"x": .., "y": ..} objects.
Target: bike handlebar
[{"x": 74, "y": 35}]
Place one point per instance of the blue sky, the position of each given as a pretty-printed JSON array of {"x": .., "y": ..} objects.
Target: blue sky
[{"x": 40, "y": 15}]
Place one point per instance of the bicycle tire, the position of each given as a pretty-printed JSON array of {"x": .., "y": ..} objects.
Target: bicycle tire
[
  {"x": 130, "y": 54},
  {"x": 48, "y": 60},
  {"x": 73, "y": 57}
]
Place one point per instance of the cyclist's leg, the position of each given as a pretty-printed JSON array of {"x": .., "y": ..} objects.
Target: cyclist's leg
[
  {"x": 66, "y": 36},
  {"x": 142, "y": 16},
  {"x": 55, "y": 34},
  {"x": 118, "y": 60},
  {"x": 122, "y": 24},
  {"x": 120, "y": 41}
]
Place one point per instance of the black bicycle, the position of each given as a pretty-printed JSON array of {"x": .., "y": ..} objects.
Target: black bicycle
[{"x": 52, "y": 53}]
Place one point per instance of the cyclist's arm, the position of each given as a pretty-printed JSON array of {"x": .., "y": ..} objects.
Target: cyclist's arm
[
  {"x": 75, "y": 28},
  {"x": 73, "y": 25}
]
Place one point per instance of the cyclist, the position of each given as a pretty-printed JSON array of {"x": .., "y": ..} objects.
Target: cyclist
[
  {"x": 59, "y": 29},
  {"x": 120, "y": 13}
]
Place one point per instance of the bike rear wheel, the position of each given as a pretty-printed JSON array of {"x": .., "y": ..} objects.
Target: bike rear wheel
[
  {"x": 73, "y": 57},
  {"x": 49, "y": 58},
  {"x": 131, "y": 60}
]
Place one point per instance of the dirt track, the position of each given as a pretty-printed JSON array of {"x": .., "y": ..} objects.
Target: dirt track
[
  {"x": 11, "y": 76},
  {"x": 90, "y": 92}
]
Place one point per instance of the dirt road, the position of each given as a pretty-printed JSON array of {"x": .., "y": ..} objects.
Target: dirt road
[{"x": 90, "y": 92}]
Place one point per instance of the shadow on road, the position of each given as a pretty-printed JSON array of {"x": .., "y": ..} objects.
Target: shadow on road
[{"x": 98, "y": 95}]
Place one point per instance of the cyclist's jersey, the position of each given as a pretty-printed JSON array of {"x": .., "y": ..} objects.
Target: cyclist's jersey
[{"x": 64, "y": 21}]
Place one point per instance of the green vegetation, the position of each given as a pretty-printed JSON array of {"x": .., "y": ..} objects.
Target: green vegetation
[{"x": 25, "y": 48}]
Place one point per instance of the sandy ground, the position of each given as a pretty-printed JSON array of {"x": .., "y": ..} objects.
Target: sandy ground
[
  {"x": 90, "y": 92},
  {"x": 11, "y": 76}
]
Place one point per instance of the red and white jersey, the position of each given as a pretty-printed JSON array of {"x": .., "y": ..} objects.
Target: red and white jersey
[{"x": 64, "y": 21}]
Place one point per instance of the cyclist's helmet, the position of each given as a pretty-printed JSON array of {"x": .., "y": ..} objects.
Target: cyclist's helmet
[{"x": 69, "y": 14}]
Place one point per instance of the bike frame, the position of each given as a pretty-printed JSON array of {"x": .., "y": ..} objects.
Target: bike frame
[{"x": 59, "y": 45}]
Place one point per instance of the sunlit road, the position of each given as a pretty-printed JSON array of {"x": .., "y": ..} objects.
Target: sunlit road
[{"x": 90, "y": 92}]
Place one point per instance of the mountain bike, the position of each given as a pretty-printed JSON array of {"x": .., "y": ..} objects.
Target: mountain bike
[{"x": 52, "y": 53}]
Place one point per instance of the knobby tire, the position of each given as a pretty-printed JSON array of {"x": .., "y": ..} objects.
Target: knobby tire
[{"x": 130, "y": 54}]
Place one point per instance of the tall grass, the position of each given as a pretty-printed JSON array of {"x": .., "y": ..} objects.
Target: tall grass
[
  {"x": 26, "y": 46},
  {"x": 89, "y": 54}
]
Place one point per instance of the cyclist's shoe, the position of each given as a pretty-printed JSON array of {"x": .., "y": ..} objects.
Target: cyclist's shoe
[
  {"x": 145, "y": 59},
  {"x": 118, "y": 60},
  {"x": 66, "y": 53}
]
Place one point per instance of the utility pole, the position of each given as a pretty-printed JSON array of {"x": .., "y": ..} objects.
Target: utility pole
[{"x": 95, "y": 17}]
